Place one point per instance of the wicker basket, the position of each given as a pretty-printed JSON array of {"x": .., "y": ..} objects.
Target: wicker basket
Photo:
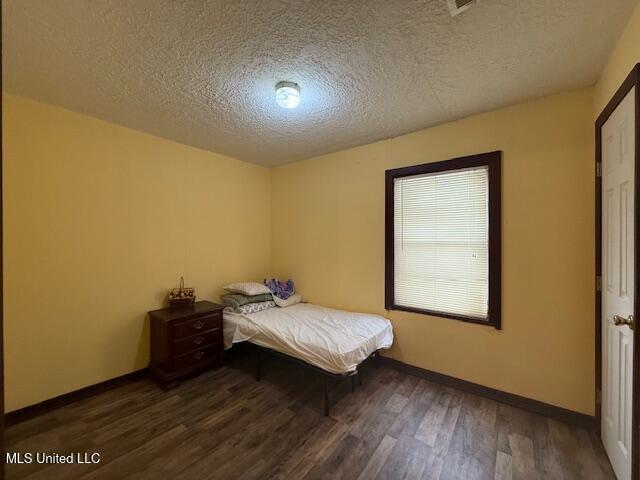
[{"x": 182, "y": 296}]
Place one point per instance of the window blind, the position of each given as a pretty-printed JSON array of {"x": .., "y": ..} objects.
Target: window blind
[{"x": 441, "y": 240}]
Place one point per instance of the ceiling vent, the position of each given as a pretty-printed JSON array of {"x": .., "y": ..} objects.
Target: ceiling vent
[{"x": 456, "y": 7}]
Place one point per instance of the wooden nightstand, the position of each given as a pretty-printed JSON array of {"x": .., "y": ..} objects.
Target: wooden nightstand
[{"x": 184, "y": 341}]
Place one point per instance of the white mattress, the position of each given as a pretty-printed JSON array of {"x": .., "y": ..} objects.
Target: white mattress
[{"x": 334, "y": 340}]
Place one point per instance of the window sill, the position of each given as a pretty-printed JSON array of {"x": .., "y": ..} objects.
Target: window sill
[{"x": 479, "y": 321}]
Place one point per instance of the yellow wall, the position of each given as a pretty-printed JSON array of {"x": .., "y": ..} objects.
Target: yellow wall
[
  {"x": 328, "y": 235},
  {"x": 623, "y": 58},
  {"x": 99, "y": 222}
]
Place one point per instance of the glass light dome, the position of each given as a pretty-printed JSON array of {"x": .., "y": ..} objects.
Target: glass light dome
[{"x": 287, "y": 94}]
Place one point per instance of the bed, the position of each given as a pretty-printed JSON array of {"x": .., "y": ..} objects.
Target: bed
[{"x": 332, "y": 342}]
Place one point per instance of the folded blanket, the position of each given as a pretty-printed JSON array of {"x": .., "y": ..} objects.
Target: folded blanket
[
  {"x": 236, "y": 300},
  {"x": 280, "y": 289},
  {"x": 292, "y": 300}
]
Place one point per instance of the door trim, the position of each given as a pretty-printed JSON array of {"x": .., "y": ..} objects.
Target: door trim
[
  {"x": 2, "y": 445},
  {"x": 632, "y": 80}
]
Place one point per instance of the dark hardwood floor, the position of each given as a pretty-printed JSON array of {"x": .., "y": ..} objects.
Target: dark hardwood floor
[{"x": 225, "y": 425}]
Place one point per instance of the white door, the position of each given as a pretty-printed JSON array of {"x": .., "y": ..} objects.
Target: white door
[{"x": 618, "y": 165}]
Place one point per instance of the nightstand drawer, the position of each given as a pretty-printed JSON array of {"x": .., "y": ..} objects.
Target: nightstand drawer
[
  {"x": 198, "y": 341},
  {"x": 196, "y": 325},
  {"x": 196, "y": 357},
  {"x": 185, "y": 340}
]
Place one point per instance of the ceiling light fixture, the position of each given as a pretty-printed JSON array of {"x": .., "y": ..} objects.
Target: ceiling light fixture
[{"x": 287, "y": 94}]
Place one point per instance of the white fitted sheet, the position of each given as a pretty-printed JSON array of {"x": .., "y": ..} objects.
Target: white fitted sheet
[{"x": 334, "y": 340}]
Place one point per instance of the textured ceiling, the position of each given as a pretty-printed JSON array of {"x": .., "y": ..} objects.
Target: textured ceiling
[{"x": 203, "y": 72}]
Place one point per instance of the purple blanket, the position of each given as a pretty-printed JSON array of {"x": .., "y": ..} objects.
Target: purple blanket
[{"x": 279, "y": 288}]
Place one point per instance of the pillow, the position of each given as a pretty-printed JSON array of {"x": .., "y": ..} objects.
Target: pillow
[
  {"x": 256, "y": 307},
  {"x": 292, "y": 300},
  {"x": 282, "y": 289},
  {"x": 247, "y": 288},
  {"x": 236, "y": 300}
]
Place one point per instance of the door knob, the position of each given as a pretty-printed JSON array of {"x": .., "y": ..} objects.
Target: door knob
[{"x": 619, "y": 321}]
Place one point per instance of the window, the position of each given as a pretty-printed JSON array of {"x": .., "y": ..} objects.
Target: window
[{"x": 443, "y": 239}]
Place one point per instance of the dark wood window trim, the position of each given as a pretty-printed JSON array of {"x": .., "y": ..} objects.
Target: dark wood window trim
[{"x": 493, "y": 161}]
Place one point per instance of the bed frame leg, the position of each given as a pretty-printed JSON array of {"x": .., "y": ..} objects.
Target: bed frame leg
[
  {"x": 353, "y": 382},
  {"x": 327, "y": 406},
  {"x": 258, "y": 365},
  {"x": 378, "y": 361}
]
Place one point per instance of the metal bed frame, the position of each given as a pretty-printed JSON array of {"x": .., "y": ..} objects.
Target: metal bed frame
[{"x": 330, "y": 379}]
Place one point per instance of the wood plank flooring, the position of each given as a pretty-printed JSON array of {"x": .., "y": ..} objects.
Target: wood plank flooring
[{"x": 225, "y": 425}]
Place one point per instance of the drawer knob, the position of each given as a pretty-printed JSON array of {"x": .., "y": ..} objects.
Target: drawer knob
[
  {"x": 198, "y": 355},
  {"x": 198, "y": 325},
  {"x": 198, "y": 340}
]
